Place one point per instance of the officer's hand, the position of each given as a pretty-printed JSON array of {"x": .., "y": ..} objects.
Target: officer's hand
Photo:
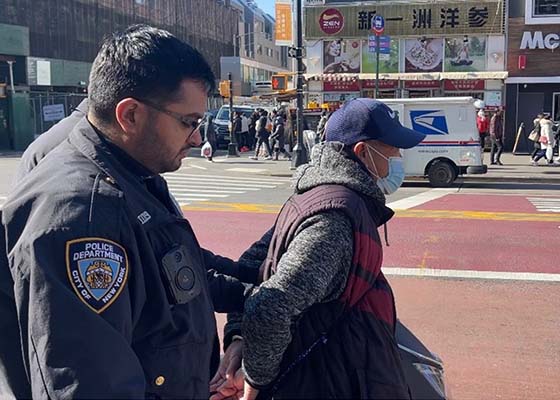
[
  {"x": 230, "y": 389},
  {"x": 230, "y": 363},
  {"x": 250, "y": 393}
]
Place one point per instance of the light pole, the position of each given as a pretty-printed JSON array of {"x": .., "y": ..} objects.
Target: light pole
[
  {"x": 300, "y": 156},
  {"x": 232, "y": 146},
  {"x": 377, "y": 26}
]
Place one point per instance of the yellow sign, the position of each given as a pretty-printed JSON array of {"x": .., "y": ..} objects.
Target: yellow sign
[{"x": 283, "y": 23}]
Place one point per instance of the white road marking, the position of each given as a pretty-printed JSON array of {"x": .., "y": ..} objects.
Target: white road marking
[
  {"x": 419, "y": 199},
  {"x": 187, "y": 187},
  {"x": 198, "y": 167},
  {"x": 545, "y": 204},
  {"x": 218, "y": 182},
  {"x": 205, "y": 190},
  {"x": 249, "y": 170},
  {"x": 187, "y": 200},
  {"x": 233, "y": 178},
  {"x": 460, "y": 274},
  {"x": 200, "y": 188},
  {"x": 203, "y": 195}
]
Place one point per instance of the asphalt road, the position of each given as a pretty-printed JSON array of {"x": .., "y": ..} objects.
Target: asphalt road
[{"x": 474, "y": 267}]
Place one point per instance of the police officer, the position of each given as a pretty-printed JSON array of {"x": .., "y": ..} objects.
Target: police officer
[{"x": 111, "y": 294}]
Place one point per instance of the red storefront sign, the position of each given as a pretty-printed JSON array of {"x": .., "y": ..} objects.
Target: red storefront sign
[
  {"x": 341, "y": 86},
  {"x": 463, "y": 85},
  {"x": 421, "y": 84},
  {"x": 383, "y": 84}
]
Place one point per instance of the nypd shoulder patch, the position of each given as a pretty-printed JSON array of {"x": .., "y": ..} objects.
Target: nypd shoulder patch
[{"x": 97, "y": 269}]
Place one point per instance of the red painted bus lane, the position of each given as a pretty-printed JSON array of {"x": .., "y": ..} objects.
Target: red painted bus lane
[{"x": 474, "y": 232}]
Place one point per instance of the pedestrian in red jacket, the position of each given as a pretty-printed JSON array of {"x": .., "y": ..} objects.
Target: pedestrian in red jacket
[{"x": 482, "y": 124}]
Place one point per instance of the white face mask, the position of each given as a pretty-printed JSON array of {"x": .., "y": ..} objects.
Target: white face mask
[{"x": 395, "y": 177}]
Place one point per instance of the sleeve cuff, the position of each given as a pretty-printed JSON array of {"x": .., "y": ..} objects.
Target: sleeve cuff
[{"x": 253, "y": 384}]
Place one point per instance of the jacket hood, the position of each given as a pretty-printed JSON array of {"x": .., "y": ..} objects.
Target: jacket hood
[{"x": 330, "y": 166}]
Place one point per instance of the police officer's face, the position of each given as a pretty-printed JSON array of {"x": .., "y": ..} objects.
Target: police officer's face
[{"x": 168, "y": 136}]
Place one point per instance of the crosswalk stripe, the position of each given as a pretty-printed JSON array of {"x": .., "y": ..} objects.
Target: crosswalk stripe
[
  {"x": 543, "y": 199},
  {"x": 545, "y": 204},
  {"x": 202, "y": 187},
  {"x": 233, "y": 178},
  {"x": 204, "y": 195},
  {"x": 182, "y": 199},
  {"x": 206, "y": 182},
  {"x": 188, "y": 187},
  {"x": 196, "y": 190}
]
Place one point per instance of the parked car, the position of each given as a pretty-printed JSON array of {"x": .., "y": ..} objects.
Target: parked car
[{"x": 221, "y": 122}]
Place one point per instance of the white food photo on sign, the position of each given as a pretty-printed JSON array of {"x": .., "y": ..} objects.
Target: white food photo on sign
[{"x": 424, "y": 54}]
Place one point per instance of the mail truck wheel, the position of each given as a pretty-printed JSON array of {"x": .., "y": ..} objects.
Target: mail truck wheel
[{"x": 442, "y": 174}]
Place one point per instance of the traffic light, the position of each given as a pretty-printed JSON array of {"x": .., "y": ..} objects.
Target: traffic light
[
  {"x": 224, "y": 88},
  {"x": 279, "y": 82}
]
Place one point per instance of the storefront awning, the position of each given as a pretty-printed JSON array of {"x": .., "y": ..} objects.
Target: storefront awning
[{"x": 431, "y": 76}]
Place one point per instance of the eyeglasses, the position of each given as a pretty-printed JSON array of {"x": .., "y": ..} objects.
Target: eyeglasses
[{"x": 185, "y": 120}]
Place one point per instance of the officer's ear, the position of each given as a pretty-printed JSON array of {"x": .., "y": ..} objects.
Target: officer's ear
[{"x": 128, "y": 114}]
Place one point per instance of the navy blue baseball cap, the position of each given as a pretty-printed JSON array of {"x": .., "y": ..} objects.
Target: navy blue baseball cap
[{"x": 364, "y": 119}]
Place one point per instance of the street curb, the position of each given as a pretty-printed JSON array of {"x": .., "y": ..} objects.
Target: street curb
[
  {"x": 11, "y": 154},
  {"x": 488, "y": 180}
]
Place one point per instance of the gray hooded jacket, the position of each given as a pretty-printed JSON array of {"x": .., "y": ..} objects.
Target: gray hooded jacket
[{"x": 314, "y": 269}]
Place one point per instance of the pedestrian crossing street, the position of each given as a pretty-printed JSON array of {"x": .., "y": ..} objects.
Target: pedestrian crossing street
[
  {"x": 546, "y": 204},
  {"x": 189, "y": 187}
]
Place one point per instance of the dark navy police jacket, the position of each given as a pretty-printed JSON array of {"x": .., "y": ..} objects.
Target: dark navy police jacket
[{"x": 107, "y": 287}]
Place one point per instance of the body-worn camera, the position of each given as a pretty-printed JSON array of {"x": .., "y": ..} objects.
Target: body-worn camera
[{"x": 184, "y": 283}]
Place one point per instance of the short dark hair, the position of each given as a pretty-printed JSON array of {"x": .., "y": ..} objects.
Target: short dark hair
[{"x": 146, "y": 63}]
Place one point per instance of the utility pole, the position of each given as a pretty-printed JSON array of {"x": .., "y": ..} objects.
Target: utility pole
[
  {"x": 232, "y": 146},
  {"x": 377, "y": 26},
  {"x": 376, "y": 66},
  {"x": 300, "y": 156}
]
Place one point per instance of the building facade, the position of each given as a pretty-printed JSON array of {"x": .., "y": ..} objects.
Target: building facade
[
  {"x": 533, "y": 84},
  {"x": 427, "y": 49},
  {"x": 256, "y": 57},
  {"x": 47, "y": 47}
]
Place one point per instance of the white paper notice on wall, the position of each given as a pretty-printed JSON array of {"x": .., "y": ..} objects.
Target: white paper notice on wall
[
  {"x": 43, "y": 72},
  {"x": 495, "y": 53},
  {"x": 53, "y": 112},
  {"x": 493, "y": 99}
]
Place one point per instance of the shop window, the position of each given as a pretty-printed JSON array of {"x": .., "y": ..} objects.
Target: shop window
[
  {"x": 542, "y": 12},
  {"x": 545, "y": 7},
  {"x": 556, "y": 107}
]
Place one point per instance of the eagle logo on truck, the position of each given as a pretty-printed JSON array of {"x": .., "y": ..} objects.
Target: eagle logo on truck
[{"x": 429, "y": 122}]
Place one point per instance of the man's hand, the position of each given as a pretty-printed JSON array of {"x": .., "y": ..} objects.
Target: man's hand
[
  {"x": 230, "y": 363},
  {"x": 230, "y": 389},
  {"x": 250, "y": 393}
]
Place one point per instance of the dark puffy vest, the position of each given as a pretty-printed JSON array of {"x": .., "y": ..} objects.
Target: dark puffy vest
[{"x": 359, "y": 358}]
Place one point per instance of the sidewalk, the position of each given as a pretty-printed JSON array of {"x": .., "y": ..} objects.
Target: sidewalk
[{"x": 516, "y": 169}]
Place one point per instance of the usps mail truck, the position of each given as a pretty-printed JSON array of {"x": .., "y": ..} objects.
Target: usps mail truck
[{"x": 452, "y": 145}]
